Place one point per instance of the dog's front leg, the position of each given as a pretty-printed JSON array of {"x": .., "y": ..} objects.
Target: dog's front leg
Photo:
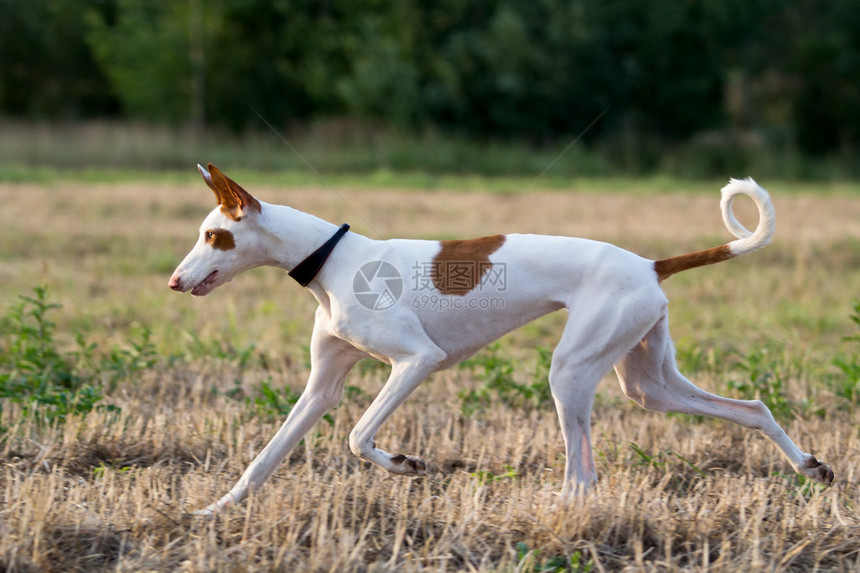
[
  {"x": 406, "y": 375},
  {"x": 331, "y": 360}
]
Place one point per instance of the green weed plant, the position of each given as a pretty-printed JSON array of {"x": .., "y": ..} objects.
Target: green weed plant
[
  {"x": 500, "y": 379},
  {"x": 37, "y": 374},
  {"x": 846, "y": 384}
]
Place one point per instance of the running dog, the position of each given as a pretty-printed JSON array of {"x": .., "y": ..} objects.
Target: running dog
[{"x": 617, "y": 316}]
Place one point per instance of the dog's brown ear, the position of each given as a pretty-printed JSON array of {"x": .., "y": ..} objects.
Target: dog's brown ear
[
  {"x": 208, "y": 179},
  {"x": 235, "y": 202}
]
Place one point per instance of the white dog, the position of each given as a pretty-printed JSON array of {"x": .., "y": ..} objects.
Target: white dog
[{"x": 423, "y": 306}]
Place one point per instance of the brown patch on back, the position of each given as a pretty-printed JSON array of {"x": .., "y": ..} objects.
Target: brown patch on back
[
  {"x": 461, "y": 265},
  {"x": 669, "y": 267},
  {"x": 220, "y": 239}
]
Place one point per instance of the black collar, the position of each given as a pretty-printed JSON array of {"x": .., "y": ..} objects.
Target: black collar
[{"x": 307, "y": 270}]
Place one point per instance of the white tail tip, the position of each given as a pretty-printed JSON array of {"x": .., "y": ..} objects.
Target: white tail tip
[{"x": 748, "y": 240}]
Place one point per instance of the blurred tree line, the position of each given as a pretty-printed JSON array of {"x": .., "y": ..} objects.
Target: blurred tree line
[{"x": 669, "y": 70}]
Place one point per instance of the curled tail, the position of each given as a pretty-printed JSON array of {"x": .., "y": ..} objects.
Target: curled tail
[{"x": 746, "y": 241}]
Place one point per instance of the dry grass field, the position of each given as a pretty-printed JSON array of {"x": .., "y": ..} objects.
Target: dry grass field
[{"x": 188, "y": 390}]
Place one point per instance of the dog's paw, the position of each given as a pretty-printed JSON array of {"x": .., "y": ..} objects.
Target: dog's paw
[
  {"x": 216, "y": 508},
  {"x": 206, "y": 512},
  {"x": 817, "y": 470},
  {"x": 408, "y": 465}
]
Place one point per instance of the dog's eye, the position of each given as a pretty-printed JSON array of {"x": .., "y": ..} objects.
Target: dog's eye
[{"x": 220, "y": 239}]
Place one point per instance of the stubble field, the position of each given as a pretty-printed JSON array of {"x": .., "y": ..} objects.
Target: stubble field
[{"x": 183, "y": 392}]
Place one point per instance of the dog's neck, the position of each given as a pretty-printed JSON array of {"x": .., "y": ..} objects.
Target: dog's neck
[{"x": 292, "y": 235}]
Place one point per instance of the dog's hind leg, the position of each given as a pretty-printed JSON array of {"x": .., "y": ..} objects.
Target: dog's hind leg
[
  {"x": 331, "y": 360},
  {"x": 594, "y": 338},
  {"x": 573, "y": 383},
  {"x": 649, "y": 375}
]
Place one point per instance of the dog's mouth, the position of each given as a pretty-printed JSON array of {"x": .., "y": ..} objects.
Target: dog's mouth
[{"x": 205, "y": 286}]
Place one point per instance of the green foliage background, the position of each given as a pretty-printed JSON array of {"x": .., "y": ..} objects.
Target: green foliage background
[{"x": 705, "y": 73}]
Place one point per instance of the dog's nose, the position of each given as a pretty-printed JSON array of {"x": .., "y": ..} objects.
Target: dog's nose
[{"x": 174, "y": 283}]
